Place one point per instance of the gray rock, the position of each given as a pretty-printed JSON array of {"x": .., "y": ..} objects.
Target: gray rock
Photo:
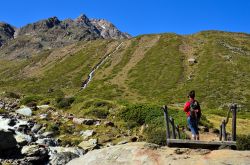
[
  {"x": 43, "y": 116},
  {"x": 48, "y": 134},
  {"x": 21, "y": 140},
  {"x": 89, "y": 145},
  {"x": 59, "y": 149},
  {"x": 36, "y": 128},
  {"x": 7, "y": 140},
  {"x": 34, "y": 150},
  {"x": 26, "y": 111},
  {"x": 84, "y": 121},
  {"x": 35, "y": 154},
  {"x": 62, "y": 158},
  {"x": 87, "y": 133},
  {"x": 47, "y": 142},
  {"x": 42, "y": 130}
]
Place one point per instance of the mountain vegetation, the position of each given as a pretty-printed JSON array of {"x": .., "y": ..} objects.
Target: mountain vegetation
[{"x": 48, "y": 61}]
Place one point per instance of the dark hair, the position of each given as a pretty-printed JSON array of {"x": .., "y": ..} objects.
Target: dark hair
[{"x": 191, "y": 94}]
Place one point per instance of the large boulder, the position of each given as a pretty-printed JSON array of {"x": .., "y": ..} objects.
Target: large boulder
[
  {"x": 151, "y": 154},
  {"x": 7, "y": 140}
]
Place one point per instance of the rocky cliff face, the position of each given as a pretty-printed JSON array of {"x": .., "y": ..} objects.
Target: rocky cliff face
[{"x": 53, "y": 33}]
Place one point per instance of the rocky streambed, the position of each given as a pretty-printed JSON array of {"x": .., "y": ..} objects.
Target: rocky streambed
[
  {"x": 26, "y": 136},
  {"x": 22, "y": 141}
]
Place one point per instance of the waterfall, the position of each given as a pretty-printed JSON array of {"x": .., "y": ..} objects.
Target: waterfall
[{"x": 90, "y": 75}]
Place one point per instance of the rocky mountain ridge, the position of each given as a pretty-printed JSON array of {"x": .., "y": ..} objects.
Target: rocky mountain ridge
[{"x": 53, "y": 33}]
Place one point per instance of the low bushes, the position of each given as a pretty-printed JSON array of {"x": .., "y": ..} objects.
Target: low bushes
[
  {"x": 64, "y": 102},
  {"x": 100, "y": 113},
  {"x": 11, "y": 95},
  {"x": 29, "y": 99},
  {"x": 243, "y": 142}
]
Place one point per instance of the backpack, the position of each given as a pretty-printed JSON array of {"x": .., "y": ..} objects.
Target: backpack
[{"x": 194, "y": 106}]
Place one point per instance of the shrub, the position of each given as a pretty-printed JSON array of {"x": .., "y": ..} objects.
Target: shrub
[
  {"x": 2, "y": 111},
  {"x": 12, "y": 95},
  {"x": 64, "y": 102},
  {"x": 243, "y": 142},
  {"x": 157, "y": 136},
  {"x": 140, "y": 113},
  {"x": 28, "y": 99},
  {"x": 101, "y": 113}
]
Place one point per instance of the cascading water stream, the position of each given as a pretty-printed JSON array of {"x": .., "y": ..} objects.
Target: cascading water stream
[{"x": 90, "y": 75}]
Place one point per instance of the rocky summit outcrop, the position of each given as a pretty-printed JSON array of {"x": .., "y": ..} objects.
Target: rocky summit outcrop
[
  {"x": 150, "y": 154},
  {"x": 53, "y": 33},
  {"x": 108, "y": 30},
  {"x": 6, "y": 32}
]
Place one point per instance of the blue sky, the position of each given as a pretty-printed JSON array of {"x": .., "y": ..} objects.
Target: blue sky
[{"x": 138, "y": 16}]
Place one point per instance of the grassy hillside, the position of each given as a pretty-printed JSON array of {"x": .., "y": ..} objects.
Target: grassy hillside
[{"x": 150, "y": 68}]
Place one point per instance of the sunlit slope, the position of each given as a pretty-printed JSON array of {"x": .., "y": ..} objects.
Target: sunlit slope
[{"x": 148, "y": 68}]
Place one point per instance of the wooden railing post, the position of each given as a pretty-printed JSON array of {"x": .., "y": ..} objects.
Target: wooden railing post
[
  {"x": 178, "y": 132},
  {"x": 220, "y": 132},
  {"x": 224, "y": 132},
  {"x": 234, "y": 110},
  {"x": 165, "y": 110},
  {"x": 173, "y": 127}
]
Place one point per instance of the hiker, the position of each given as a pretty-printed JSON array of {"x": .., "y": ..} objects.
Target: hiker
[{"x": 193, "y": 111}]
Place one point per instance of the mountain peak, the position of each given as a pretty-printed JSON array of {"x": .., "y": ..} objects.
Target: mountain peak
[
  {"x": 83, "y": 20},
  {"x": 108, "y": 30}
]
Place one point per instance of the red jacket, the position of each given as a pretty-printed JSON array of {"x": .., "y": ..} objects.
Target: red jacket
[{"x": 187, "y": 108}]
